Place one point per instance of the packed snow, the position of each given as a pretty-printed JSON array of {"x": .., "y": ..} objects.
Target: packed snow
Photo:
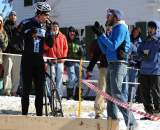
[{"x": 12, "y": 106}]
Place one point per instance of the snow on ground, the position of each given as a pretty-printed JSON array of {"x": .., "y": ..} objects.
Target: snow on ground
[{"x": 12, "y": 106}]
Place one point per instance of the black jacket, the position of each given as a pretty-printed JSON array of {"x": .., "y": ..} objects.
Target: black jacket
[
  {"x": 26, "y": 29},
  {"x": 14, "y": 46},
  {"x": 97, "y": 56}
]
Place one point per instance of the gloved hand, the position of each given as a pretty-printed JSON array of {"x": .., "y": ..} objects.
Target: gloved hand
[
  {"x": 48, "y": 25},
  {"x": 98, "y": 29},
  {"x": 49, "y": 34}
]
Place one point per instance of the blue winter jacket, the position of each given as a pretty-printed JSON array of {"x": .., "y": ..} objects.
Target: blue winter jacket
[
  {"x": 109, "y": 46},
  {"x": 150, "y": 63}
]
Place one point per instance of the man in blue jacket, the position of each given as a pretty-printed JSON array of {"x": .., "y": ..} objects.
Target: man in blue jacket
[
  {"x": 149, "y": 53},
  {"x": 116, "y": 50}
]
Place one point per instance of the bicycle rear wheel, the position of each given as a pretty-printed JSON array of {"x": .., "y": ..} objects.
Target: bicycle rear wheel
[
  {"x": 56, "y": 104},
  {"x": 53, "y": 98}
]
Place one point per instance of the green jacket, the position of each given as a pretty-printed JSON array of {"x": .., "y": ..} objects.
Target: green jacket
[{"x": 74, "y": 50}]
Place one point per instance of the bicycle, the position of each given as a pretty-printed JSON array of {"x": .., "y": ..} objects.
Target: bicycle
[{"x": 51, "y": 96}]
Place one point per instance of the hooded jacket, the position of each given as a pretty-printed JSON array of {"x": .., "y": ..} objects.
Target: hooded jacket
[
  {"x": 13, "y": 43},
  {"x": 111, "y": 46},
  {"x": 149, "y": 52},
  {"x": 59, "y": 48}
]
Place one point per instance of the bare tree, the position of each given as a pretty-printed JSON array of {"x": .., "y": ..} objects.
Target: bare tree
[
  {"x": 54, "y": 3},
  {"x": 6, "y": 7}
]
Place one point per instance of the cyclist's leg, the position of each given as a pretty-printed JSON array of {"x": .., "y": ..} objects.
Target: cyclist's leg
[
  {"x": 39, "y": 84},
  {"x": 27, "y": 84}
]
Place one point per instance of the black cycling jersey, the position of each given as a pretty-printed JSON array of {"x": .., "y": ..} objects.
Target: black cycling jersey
[{"x": 33, "y": 46}]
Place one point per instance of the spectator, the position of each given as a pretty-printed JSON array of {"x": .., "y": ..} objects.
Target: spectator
[
  {"x": 134, "y": 63},
  {"x": 149, "y": 79},
  {"x": 3, "y": 46},
  {"x": 99, "y": 101},
  {"x": 99, "y": 105},
  {"x": 11, "y": 63},
  {"x": 74, "y": 52},
  {"x": 34, "y": 36},
  {"x": 58, "y": 51},
  {"x": 116, "y": 49}
]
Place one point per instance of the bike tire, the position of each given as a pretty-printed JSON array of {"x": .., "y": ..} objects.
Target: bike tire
[{"x": 54, "y": 98}]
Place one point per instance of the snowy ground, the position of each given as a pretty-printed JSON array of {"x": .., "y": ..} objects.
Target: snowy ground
[{"x": 12, "y": 106}]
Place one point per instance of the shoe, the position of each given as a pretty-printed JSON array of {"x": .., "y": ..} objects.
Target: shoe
[
  {"x": 133, "y": 127},
  {"x": 13, "y": 93},
  {"x": 156, "y": 112},
  {"x": 149, "y": 109},
  {"x": 7, "y": 93},
  {"x": 98, "y": 117},
  {"x": 145, "y": 118}
]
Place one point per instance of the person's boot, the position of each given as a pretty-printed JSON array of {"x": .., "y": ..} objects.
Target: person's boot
[
  {"x": 149, "y": 109},
  {"x": 69, "y": 93},
  {"x": 98, "y": 116},
  {"x": 112, "y": 124},
  {"x": 7, "y": 92},
  {"x": 156, "y": 111}
]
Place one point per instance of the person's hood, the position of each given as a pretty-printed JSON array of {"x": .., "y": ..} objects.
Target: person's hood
[{"x": 121, "y": 22}]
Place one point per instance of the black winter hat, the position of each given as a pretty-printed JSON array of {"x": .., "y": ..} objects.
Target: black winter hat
[
  {"x": 55, "y": 23},
  {"x": 71, "y": 29},
  {"x": 12, "y": 13},
  {"x": 152, "y": 24}
]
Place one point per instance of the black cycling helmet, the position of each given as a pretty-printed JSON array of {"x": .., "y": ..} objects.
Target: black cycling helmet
[{"x": 42, "y": 8}]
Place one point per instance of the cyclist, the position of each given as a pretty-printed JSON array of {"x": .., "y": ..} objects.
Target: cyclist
[{"x": 34, "y": 36}]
